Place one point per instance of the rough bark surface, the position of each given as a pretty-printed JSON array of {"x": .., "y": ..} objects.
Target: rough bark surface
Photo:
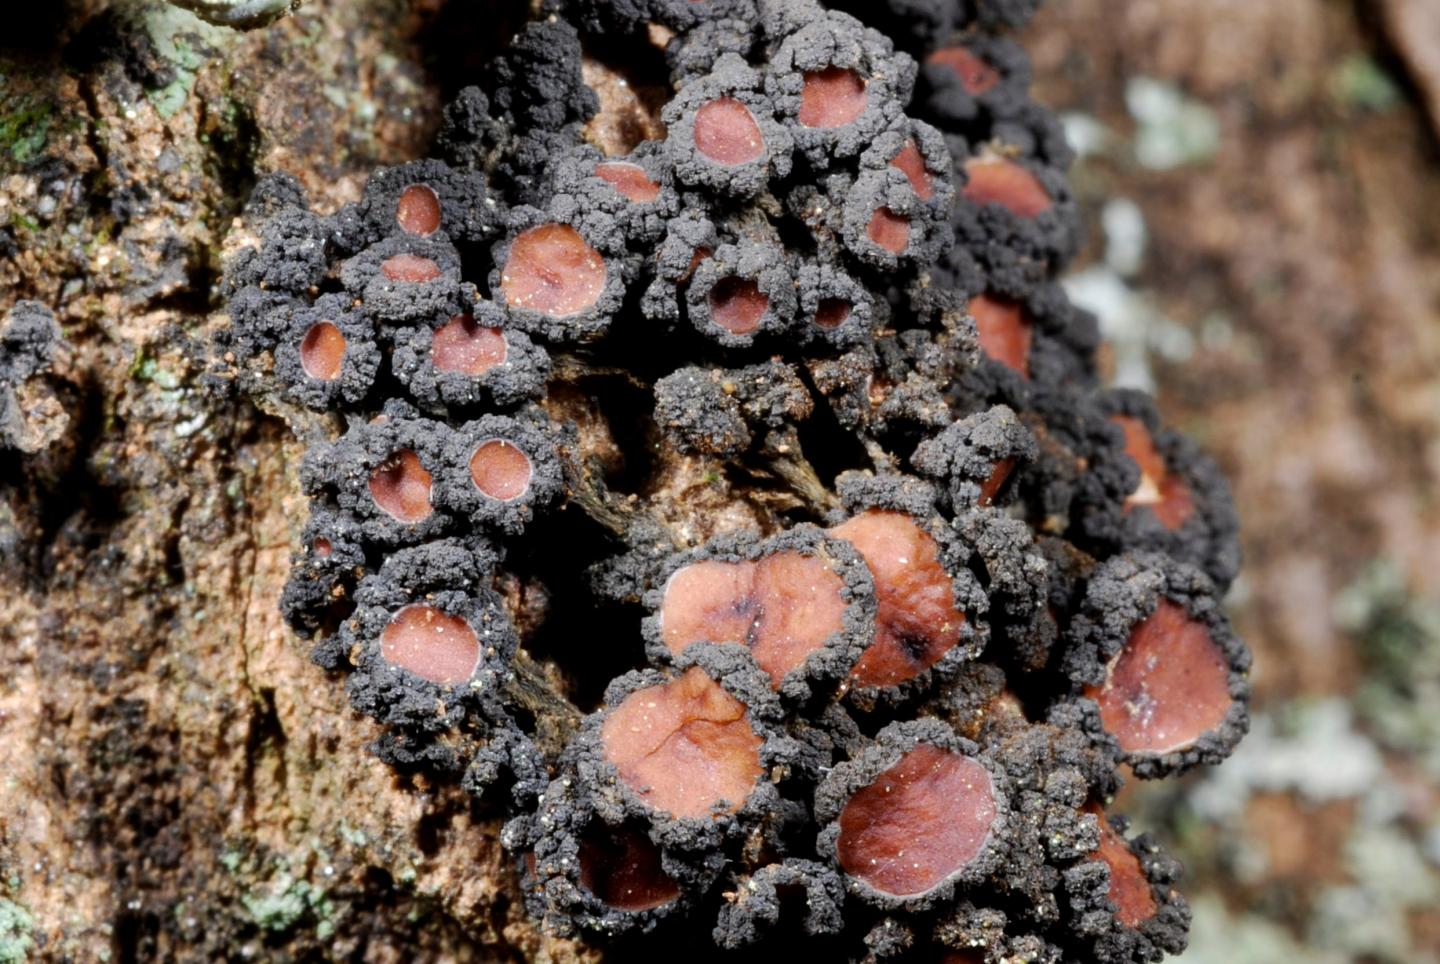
[{"x": 180, "y": 783}]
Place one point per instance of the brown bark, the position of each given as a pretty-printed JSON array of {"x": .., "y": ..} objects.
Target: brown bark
[{"x": 180, "y": 783}]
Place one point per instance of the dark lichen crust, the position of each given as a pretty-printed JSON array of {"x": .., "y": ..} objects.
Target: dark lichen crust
[
  {"x": 739, "y": 513},
  {"x": 30, "y": 338}
]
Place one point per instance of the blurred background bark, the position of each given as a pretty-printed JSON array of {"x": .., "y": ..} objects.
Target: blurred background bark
[{"x": 1262, "y": 187}]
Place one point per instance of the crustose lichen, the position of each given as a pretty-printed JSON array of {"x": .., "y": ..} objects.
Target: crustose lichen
[{"x": 743, "y": 516}]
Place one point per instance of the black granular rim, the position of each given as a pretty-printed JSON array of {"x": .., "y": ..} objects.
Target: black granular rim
[
  {"x": 520, "y": 378},
  {"x": 553, "y": 887},
  {"x": 358, "y": 366},
  {"x": 942, "y": 98},
  {"x": 732, "y": 667},
  {"x": 603, "y": 233},
  {"x": 342, "y": 471},
  {"x": 456, "y": 489},
  {"x": 468, "y": 210},
  {"x": 574, "y": 175},
  {"x": 917, "y": 499},
  {"x": 889, "y": 746},
  {"x": 657, "y": 439},
  {"x": 1209, "y": 539},
  {"x": 1121, "y": 594},
  {"x": 731, "y": 78},
  {"x": 757, "y": 906},
  {"x": 823, "y": 669},
  {"x": 839, "y": 41},
  {"x": 967, "y": 453},
  {"x": 402, "y": 302},
  {"x": 1094, "y": 924},
  {"x": 761, "y": 263}
]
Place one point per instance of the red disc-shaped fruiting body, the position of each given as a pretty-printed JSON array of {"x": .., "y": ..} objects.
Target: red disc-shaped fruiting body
[
  {"x": 722, "y": 135},
  {"x": 551, "y": 270},
  {"x": 919, "y": 823},
  {"x": 784, "y": 607},
  {"x": 917, "y": 812},
  {"x": 400, "y": 487},
  {"x": 737, "y": 304},
  {"x": 910, "y": 162},
  {"x": 831, "y": 97},
  {"x": 917, "y": 622},
  {"x": 1005, "y": 331},
  {"x": 322, "y": 351},
  {"x": 620, "y": 867},
  {"x": 1129, "y": 888},
  {"x": 431, "y": 644},
  {"x": 629, "y": 180},
  {"x": 800, "y": 602},
  {"x": 831, "y": 313},
  {"x": 998, "y": 180},
  {"x": 327, "y": 355},
  {"x": 1167, "y": 687},
  {"x": 409, "y": 268},
  {"x": 463, "y": 347},
  {"x": 501, "y": 470},
  {"x": 741, "y": 293},
  {"x": 685, "y": 747},
  {"x": 1165, "y": 674},
  {"x": 1164, "y": 492},
  {"x": 418, "y": 210},
  {"x": 727, "y": 133},
  {"x": 889, "y": 230},
  {"x": 974, "y": 74}
]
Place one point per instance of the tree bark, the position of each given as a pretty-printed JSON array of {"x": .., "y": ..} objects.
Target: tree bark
[{"x": 180, "y": 782}]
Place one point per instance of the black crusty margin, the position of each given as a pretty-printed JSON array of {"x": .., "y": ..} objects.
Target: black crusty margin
[
  {"x": 731, "y": 78},
  {"x": 358, "y": 364},
  {"x": 548, "y": 846},
  {"x": 761, "y": 813},
  {"x": 1121, "y": 594},
  {"x": 838, "y": 40},
  {"x": 889, "y": 746},
  {"x": 451, "y": 575},
  {"x": 760, "y": 262},
  {"x": 758, "y": 905},
  {"x": 599, "y": 229},
  {"x": 861, "y": 492},
  {"x": 323, "y": 570},
  {"x": 824, "y": 668},
  {"x": 1208, "y": 539},
  {"x": 1092, "y": 919},
  {"x": 966, "y": 456},
  {"x": 389, "y": 302},
  {"x": 468, "y": 211},
  {"x": 520, "y": 377},
  {"x": 342, "y": 470},
  {"x": 575, "y": 175},
  {"x": 530, "y": 432}
]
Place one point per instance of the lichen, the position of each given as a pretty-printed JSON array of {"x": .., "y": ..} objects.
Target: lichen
[
  {"x": 681, "y": 461},
  {"x": 16, "y": 928}
]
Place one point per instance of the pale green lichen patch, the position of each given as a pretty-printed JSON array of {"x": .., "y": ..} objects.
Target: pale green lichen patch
[
  {"x": 288, "y": 901},
  {"x": 1173, "y": 130},
  {"x": 16, "y": 927},
  {"x": 1359, "y": 83},
  {"x": 185, "y": 43},
  {"x": 1396, "y": 634},
  {"x": 26, "y": 121}
]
